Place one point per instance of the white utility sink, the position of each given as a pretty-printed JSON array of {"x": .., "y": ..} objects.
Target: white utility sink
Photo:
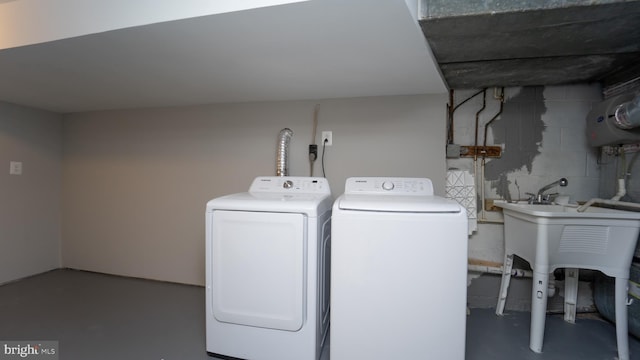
[
  {"x": 558, "y": 236},
  {"x": 566, "y": 211}
]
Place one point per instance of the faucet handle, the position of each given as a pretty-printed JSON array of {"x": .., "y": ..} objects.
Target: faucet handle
[{"x": 532, "y": 198}]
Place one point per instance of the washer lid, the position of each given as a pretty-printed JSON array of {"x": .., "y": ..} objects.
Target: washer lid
[{"x": 401, "y": 203}]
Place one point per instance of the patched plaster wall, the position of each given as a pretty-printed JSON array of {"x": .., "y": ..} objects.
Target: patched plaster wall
[{"x": 542, "y": 133}]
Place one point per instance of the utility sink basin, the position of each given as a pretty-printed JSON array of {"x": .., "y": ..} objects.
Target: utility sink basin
[
  {"x": 558, "y": 236},
  {"x": 569, "y": 211}
]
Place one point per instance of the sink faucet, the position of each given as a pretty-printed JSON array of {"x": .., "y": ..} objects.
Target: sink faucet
[{"x": 541, "y": 197}]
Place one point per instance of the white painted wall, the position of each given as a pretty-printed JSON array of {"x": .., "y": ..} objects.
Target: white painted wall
[
  {"x": 29, "y": 203},
  {"x": 135, "y": 182}
]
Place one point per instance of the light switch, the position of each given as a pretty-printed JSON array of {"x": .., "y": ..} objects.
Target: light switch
[{"x": 15, "y": 168}]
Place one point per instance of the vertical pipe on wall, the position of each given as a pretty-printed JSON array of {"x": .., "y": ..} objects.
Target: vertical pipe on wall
[
  {"x": 486, "y": 126},
  {"x": 500, "y": 97},
  {"x": 282, "y": 155},
  {"x": 313, "y": 147},
  {"x": 484, "y": 105},
  {"x": 450, "y": 110}
]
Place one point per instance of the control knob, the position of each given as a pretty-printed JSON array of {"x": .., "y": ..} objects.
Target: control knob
[{"x": 388, "y": 185}]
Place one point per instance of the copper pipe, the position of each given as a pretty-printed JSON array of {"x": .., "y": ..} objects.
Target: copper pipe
[
  {"x": 484, "y": 105},
  {"x": 486, "y": 126}
]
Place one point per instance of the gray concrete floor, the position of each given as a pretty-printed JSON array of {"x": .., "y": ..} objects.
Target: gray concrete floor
[{"x": 96, "y": 316}]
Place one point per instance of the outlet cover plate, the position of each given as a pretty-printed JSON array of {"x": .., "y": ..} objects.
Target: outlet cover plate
[{"x": 329, "y": 136}]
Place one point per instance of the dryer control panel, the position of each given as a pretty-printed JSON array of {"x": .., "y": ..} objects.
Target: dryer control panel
[
  {"x": 290, "y": 184},
  {"x": 388, "y": 185}
]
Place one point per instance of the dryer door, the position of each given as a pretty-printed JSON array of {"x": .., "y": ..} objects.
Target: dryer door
[{"x": 258, "y": 261}]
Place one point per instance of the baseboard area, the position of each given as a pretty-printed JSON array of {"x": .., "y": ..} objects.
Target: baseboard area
[
  {"x": 29, "y": 276},
  {"x": 483, "y": 293}
]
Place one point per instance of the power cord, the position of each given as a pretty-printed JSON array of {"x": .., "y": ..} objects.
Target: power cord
[{"x": 324, "y": 144}]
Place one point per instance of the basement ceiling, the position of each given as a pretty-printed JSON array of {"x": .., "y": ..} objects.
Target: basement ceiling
[
  {"x": 325, "y": 49},
  {"x": 306, "y": 50},
  {"x": 525, "y": 43}
]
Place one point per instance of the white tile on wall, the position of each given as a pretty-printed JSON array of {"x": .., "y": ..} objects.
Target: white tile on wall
[
  {"x": 589, "y": 93},
  {"x": 593, "y": 167},
  {"x": 511, "y": 92},
  {"x": 578, "y": 92},
  {"x": 462, "y": 133},
  {"x": 555, "y": 92},
  {"x": 560, "y": 164},
  {"x": 568, "y": 113},
  {"x": 573, "y": 140},
  {"x": 552, "y": 138},
  {"x": 582, "y": 188},
  {"x": 483, "y": 244},
  {"x": 526, "y": 184},
  {"x": 493, "y": 133}
]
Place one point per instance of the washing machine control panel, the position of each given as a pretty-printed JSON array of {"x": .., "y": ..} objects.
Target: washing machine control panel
[
  {"x": 290, "y": 184},
  {"x": 384, "y": 185}
]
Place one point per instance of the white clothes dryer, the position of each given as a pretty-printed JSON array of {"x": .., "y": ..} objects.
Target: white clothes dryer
[
  {"x": 398, "y": 272},
  {"x": 267, "y": 270}
]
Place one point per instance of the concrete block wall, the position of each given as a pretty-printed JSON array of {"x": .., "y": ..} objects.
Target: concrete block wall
[
  {"x": 611, "y": 165},
  {"x": 542, "y": 133}
]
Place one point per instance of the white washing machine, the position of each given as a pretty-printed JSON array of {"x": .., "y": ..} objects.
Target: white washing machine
[
  {"x": 267, "y": 264},
  {"x": 398, "y": 272}
]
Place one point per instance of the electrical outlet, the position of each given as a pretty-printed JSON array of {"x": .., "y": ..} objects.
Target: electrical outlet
[
  {"x": 15, "y": 168},
  {"x": 328, "y": 136}
]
